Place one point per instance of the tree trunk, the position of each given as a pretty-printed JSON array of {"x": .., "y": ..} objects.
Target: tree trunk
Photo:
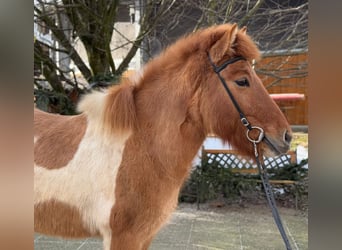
[
  {"x": 65, "y": 42},
  {"x": 49, "y": 68},
  {"x": 98, "y": 61}
]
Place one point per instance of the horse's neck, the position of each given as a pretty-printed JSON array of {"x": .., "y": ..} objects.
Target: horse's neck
[
  {"x": 168, "y": 151},
  {"x": 162, "y": 105},
  {"x": 172, "y": 140}
]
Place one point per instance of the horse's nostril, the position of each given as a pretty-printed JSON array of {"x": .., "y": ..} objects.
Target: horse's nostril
[{"x": 287, "y": 137}]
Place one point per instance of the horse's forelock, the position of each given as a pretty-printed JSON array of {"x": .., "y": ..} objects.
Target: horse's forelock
[
  {"x": 228, "y": 41},
  {"x": 244, "y": 46}
]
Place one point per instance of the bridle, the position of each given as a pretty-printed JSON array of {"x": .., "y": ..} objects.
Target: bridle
[{"x": 261, "y": 137}]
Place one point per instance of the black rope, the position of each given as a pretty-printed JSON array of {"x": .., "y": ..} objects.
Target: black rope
[{"x": 272, "y": 202}]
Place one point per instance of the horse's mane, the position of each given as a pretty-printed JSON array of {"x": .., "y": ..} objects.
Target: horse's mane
[
  {"x": 190, "y": 53},
  {"x": 203, "y": 40},
  {"x": 112, "y": 111},
  {"x": 199, "y": 43}
]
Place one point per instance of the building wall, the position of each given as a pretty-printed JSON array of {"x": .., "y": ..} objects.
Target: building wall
[
  {"x": 124, "y": 31},
  {"x": 119, "y": 44}
]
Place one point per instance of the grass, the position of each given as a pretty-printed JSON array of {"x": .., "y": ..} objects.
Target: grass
[{"x": 299, "y": 138}]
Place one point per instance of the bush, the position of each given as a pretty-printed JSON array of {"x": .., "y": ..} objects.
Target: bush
[
  {"x": 54, "y": 102},
  {"x": 211, "y": 181},
  {"x": 294, "y": 195}
]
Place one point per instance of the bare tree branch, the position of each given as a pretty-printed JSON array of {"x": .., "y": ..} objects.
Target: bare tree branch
[{"x": 278, "y": 27}]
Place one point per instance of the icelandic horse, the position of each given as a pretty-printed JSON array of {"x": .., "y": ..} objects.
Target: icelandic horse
[{"x": 116, "y": 169}]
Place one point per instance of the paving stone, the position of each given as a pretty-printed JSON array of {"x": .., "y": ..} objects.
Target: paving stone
[
  {"x": 91, "y": 246},
  {"x": 215, "y": 229},
  {"x": 56, "y": 245}
]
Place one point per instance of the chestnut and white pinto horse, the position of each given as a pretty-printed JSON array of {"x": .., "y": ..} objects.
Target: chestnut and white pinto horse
[{"x": 115, "y": 170}]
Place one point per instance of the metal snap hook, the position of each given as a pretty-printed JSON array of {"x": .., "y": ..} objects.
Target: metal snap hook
[{"x": 260, "y": 137}]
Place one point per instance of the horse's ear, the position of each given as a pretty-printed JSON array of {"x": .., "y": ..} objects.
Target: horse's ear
[
  {"x": 224, "y": 44},
  {"x": 120, "y": 112},
  {"x": 232, "y": 35},
  {"x": 244, "y": 30}
]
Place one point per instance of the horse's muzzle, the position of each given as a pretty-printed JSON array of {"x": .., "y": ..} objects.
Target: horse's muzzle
[{"x": 276, "y": 147}]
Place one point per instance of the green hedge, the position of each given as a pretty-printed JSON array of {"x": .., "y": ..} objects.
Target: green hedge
[{"x": 212, "y": 181}]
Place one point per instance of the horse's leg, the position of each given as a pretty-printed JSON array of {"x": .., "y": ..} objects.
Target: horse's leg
[
  {"x": 132, "y": 236},
  {"x": 126, "y": 241},
  {"x": 147, "y": 243},
  {"x": 130, "y": 241},
  {"x": 106, "y": 241}
]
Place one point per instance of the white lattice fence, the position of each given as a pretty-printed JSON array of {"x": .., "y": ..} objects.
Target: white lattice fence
[{"x": 231, "y": 159}]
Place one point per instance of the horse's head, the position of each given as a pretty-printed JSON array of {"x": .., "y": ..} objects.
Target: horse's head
[{"x": 219, "y": 115}]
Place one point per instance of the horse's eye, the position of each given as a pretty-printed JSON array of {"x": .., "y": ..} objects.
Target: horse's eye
[{"x": 242, "y": 82}]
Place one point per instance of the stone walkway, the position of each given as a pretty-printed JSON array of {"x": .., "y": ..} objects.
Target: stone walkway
[{"x": 211, "y": 229}]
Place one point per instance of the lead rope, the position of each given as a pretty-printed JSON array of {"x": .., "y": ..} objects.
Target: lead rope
[
  {"x": 261, "y": 167},
  {"x": 268, "y": 187}
]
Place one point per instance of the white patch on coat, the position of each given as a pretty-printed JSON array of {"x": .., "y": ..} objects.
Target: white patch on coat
[
  {"x": 93, "y": 105},
  {"x": 88, "y": 181}
]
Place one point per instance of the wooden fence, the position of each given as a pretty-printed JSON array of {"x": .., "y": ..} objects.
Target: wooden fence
[{"x": 287, "y": 74}]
